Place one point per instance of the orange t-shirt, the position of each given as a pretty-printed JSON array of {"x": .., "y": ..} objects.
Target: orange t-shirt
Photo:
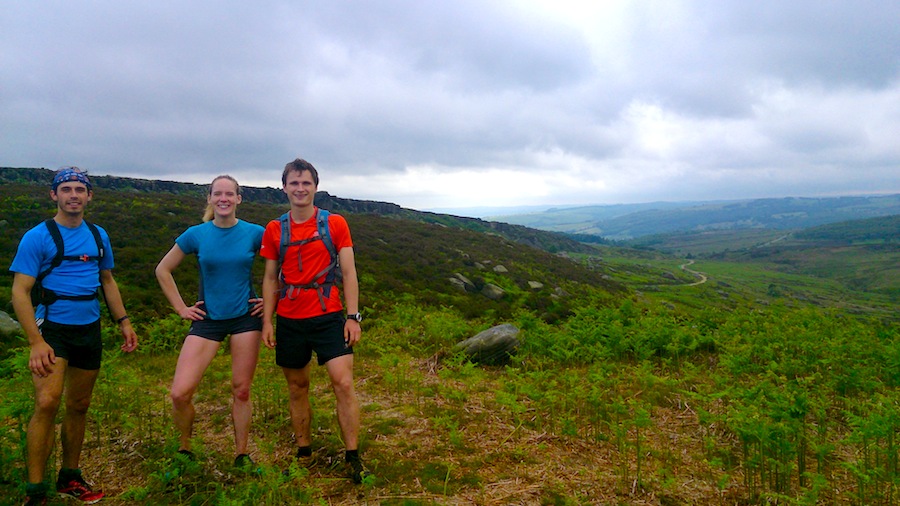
[{"x": 315, "y": 257}]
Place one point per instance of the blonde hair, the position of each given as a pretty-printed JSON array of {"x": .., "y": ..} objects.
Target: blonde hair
[{"x": 209, "y": 213}]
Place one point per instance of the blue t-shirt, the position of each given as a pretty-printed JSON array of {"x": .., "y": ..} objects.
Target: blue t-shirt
[
  {"x": 226, "y": 258},
  {"x": 71, "y": 277}
]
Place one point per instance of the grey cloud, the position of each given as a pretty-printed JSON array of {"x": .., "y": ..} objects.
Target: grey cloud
[
  {"x": 169, "y": 89},
  {"x": 474, "y": 44}
]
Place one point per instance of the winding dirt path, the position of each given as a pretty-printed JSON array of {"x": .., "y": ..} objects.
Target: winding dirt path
[{"x": 701, "y": 278}]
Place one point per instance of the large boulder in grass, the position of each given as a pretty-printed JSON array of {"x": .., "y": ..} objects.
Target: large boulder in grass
[
  {"x": 493, "y": 291},
  {"x": 493, "y": 346},
  {"x": 463, "y": 283},
  {"x": 8, "y": 326}
]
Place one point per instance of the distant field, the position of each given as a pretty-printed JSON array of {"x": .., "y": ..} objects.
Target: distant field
[{"x": 708, "y": 242}]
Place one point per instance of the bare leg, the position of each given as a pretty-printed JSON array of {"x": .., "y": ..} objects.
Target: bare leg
[
  {"x": 244, "y": 356},
  {"x": 79, "y": 389},
  {"x": 196, "y": 355},
  {"x": 298, "y": 401},
  {"x": 41, "y": 428},
  {"x": 340, "y": 370}
]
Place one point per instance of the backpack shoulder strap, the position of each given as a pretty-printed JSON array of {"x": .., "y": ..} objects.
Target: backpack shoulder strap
[
  {"x": 53, "y": 228},
  {"x": 101, "y": 251},
  {"x": 333, "y": 272},
  {"x": 285, "y": 240},
  {"x": 285, "y": 220},
  {"x": 325, "y": 232}
]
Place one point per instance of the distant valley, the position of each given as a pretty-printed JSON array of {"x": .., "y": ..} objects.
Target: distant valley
[{"x": 629, "y": 221}]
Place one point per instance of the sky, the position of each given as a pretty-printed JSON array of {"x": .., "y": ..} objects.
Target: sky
[{"x": 463, "y": 103}]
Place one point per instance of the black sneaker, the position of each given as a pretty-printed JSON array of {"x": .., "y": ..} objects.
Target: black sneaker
[
  {"x": 77, "y": 488},
  {"x": 38, "y": 500},
  {"x": 358, "y": 472},
  {"x": 243, "y": 461},
  {"x": 187, "y": 455},
  {"x": 307, "y": 461}
]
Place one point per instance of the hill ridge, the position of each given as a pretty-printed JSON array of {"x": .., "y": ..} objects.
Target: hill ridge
[
  {"x": 623, "y": 222},
  {"x": 553, "y": 242}
]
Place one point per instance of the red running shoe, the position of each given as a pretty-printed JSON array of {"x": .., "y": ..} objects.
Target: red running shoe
[{"x": 79, "y": 489}]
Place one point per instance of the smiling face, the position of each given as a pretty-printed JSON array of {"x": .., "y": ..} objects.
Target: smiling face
[
  {"x": 300, "y": 187},
  {"x": 224, "y": 197},
  {"x": 71, "y": 197}
]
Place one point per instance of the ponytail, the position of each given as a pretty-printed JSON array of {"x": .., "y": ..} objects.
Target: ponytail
[{"x": 208, "y": 213}]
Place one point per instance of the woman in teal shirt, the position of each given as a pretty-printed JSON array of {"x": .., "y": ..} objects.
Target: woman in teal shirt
[{"x": 227, "y": 305}]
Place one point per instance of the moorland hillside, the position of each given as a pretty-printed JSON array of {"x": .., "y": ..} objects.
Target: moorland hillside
[
  {"x": 642, "y": 377},
  {"x": 396, "y": 257}
]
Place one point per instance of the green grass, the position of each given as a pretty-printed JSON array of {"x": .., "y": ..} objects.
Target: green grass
[{"x": 782, "y": 401}]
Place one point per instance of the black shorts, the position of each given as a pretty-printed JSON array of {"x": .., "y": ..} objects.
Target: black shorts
[
  {"x": 295, "y": 340},
  {"x": 80, "y": 345},
  {"x": 216, "y": 330}
]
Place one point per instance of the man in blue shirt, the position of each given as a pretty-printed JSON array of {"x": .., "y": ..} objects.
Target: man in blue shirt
[{"x": 64, "y": 335}]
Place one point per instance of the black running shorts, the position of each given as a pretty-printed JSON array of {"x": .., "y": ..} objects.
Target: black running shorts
[
  {"x": 216, "y": 330},
  {"x": 296, "y": 340},
  {"x": 80, "y": 345}
]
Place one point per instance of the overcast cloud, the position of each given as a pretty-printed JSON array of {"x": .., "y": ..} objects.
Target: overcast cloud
[{"x": 464, "y": 103}]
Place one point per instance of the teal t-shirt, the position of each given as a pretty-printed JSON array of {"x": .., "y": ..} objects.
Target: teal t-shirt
[
  {"x": 36, "y": 252},
  {"x": 226, "y": 258}
]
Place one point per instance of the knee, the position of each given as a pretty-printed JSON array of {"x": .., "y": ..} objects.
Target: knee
[
  {"x": 181, "y": 398},
  {"x": 46, "y": 404},
  {"x": 343, "y": 387},
  {"x": 78, "y": 405},
  {"x": 241, "y": 393},
  {"x": 298, "y": 389}
]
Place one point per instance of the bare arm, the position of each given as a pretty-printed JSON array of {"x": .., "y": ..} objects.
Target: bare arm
[
  {"x": 352, "y": 330},
  {"x": 21, "y": 300},
  {"x": 42, "y": 355},
  {"x": 117, "y": 310},
  {"x": 270, "y": 300},
  {"x": 167, "y": 282}
]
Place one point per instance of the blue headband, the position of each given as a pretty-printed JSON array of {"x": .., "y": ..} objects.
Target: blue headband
[{"x": 71, "y": 174}]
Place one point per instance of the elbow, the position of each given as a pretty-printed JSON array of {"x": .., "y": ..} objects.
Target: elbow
[{"x": 161, "y": 272}]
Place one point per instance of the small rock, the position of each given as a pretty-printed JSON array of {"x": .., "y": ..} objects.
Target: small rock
[{"x": 8, "y": 326}]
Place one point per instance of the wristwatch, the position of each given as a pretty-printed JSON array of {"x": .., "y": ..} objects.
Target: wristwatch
[{"x": 355, "y": 316}]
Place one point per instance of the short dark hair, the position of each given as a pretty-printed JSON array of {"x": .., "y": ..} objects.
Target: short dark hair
[{"x": 299, "y": 165}]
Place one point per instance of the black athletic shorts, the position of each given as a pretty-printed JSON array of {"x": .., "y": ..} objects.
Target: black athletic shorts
[
  {"x": 80, "y": 345},
  {"x": 216, "y": 330},
  {"x": 295, "y": 340}
]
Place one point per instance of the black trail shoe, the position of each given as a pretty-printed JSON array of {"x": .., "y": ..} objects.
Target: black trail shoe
[
  {"x": 358, "y": 472},
  {"x": 243, "y": 461}
]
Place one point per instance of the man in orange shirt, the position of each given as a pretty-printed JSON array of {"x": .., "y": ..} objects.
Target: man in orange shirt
[{"x": 309, "y": 311}]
